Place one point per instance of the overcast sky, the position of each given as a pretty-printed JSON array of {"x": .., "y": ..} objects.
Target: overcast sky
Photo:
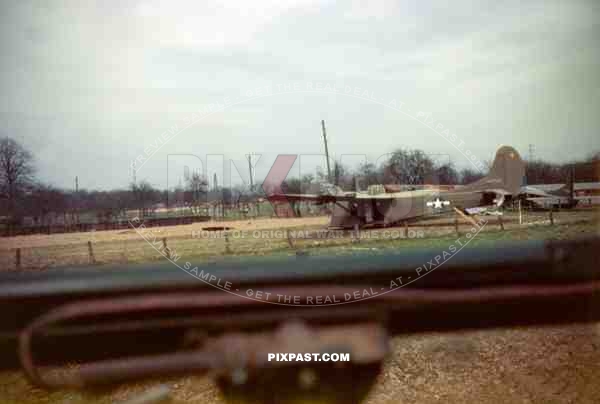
[{"x": 90, "y": 86}]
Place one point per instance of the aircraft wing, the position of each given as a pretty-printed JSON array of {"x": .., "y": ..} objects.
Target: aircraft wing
[
  {"x": 535, "y": 191},
  {"x": 397, "y": 195},
  {"x": 349, "y": 197},
  {"x": 318, "y": 198},
  {"x": 549, "y": 199},
  {"x": 496, "y": 191}
]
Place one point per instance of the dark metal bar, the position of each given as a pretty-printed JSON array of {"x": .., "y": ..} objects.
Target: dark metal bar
[{"x": 400, "y": 302}]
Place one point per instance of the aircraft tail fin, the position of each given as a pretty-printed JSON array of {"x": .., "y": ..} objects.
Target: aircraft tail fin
[
  {"x": 568, "y": 189},
  {"x": 506, "y": 174},
  {"x": 509, "y": 168}
]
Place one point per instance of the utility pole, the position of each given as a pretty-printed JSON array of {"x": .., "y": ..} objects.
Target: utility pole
[
  {"x": 76, "y": 184},
  {"x": 250, "y": 172},
  {"x": 215, "y": 184},
  {"x": 326, "y": 150},
  {"x": 572, "y": 184},
  {"x": 133, "y": 172}
]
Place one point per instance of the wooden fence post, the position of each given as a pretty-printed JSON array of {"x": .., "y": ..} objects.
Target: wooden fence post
[
  {"x": 501, "y": 222},
  {"x": 290, "y": 240},
  {"x": 91, "y": 253},
  {"x": 520, "y": 214},
  {"x": 167, "y": 250},
  {"x": 356, "y": 233},
  {"x": 227, "y": 247},
  {"x": 551, "y": 217},
  {"x": 18, "y": 258}
]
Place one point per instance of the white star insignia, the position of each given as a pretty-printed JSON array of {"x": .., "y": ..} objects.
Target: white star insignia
[{"x": 438, "y": 203}]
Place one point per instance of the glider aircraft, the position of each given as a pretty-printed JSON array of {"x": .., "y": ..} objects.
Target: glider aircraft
[{"x": 364, "y": 209}]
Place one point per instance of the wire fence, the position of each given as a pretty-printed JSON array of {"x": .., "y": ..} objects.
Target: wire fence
[{"x": 154, "y": 244}]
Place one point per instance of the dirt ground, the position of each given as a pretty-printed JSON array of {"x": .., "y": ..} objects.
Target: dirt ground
[
  {"x": 531, "y": 365},
  {"x": 536, "y": 365}
]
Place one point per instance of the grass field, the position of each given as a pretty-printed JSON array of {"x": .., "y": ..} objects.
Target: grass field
[
  {"x": 540, "y": 365},
  {"x": 267, "y": 236}
]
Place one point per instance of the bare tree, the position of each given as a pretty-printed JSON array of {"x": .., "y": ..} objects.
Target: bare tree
[
  {"x": 197, "y": 184},
  {"x": 445, "y": 174},
  {"x": 44, "y": 201},
  {"x": 408, "y": 167},
  {"x": 543, "y": 172},
  {"x": 292, "y": 186},
  {"x": 468, "y": 175},
  {"x": 340, "y": 176},
  {"x": 369, "y": 174},
  {"x": 16, "y": 173},
  {"x": 196, "y": 191},
  {"x": 144, "y": 196}
]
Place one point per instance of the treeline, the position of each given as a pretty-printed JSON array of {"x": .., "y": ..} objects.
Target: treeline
[
  {"x": 404, "y": 167},
  {"x": 415, "y": 167},
  {"x": 543, "y": 172},
  {"x": 22, "y": 195},
  {"x": 45, "y": 204}
]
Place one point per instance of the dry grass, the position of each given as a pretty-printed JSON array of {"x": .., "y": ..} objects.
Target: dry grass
[
  {"x": 188, "y": 241},
  {"x": 121, "y": 246},
  {"x": 64, "y": 239}
]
